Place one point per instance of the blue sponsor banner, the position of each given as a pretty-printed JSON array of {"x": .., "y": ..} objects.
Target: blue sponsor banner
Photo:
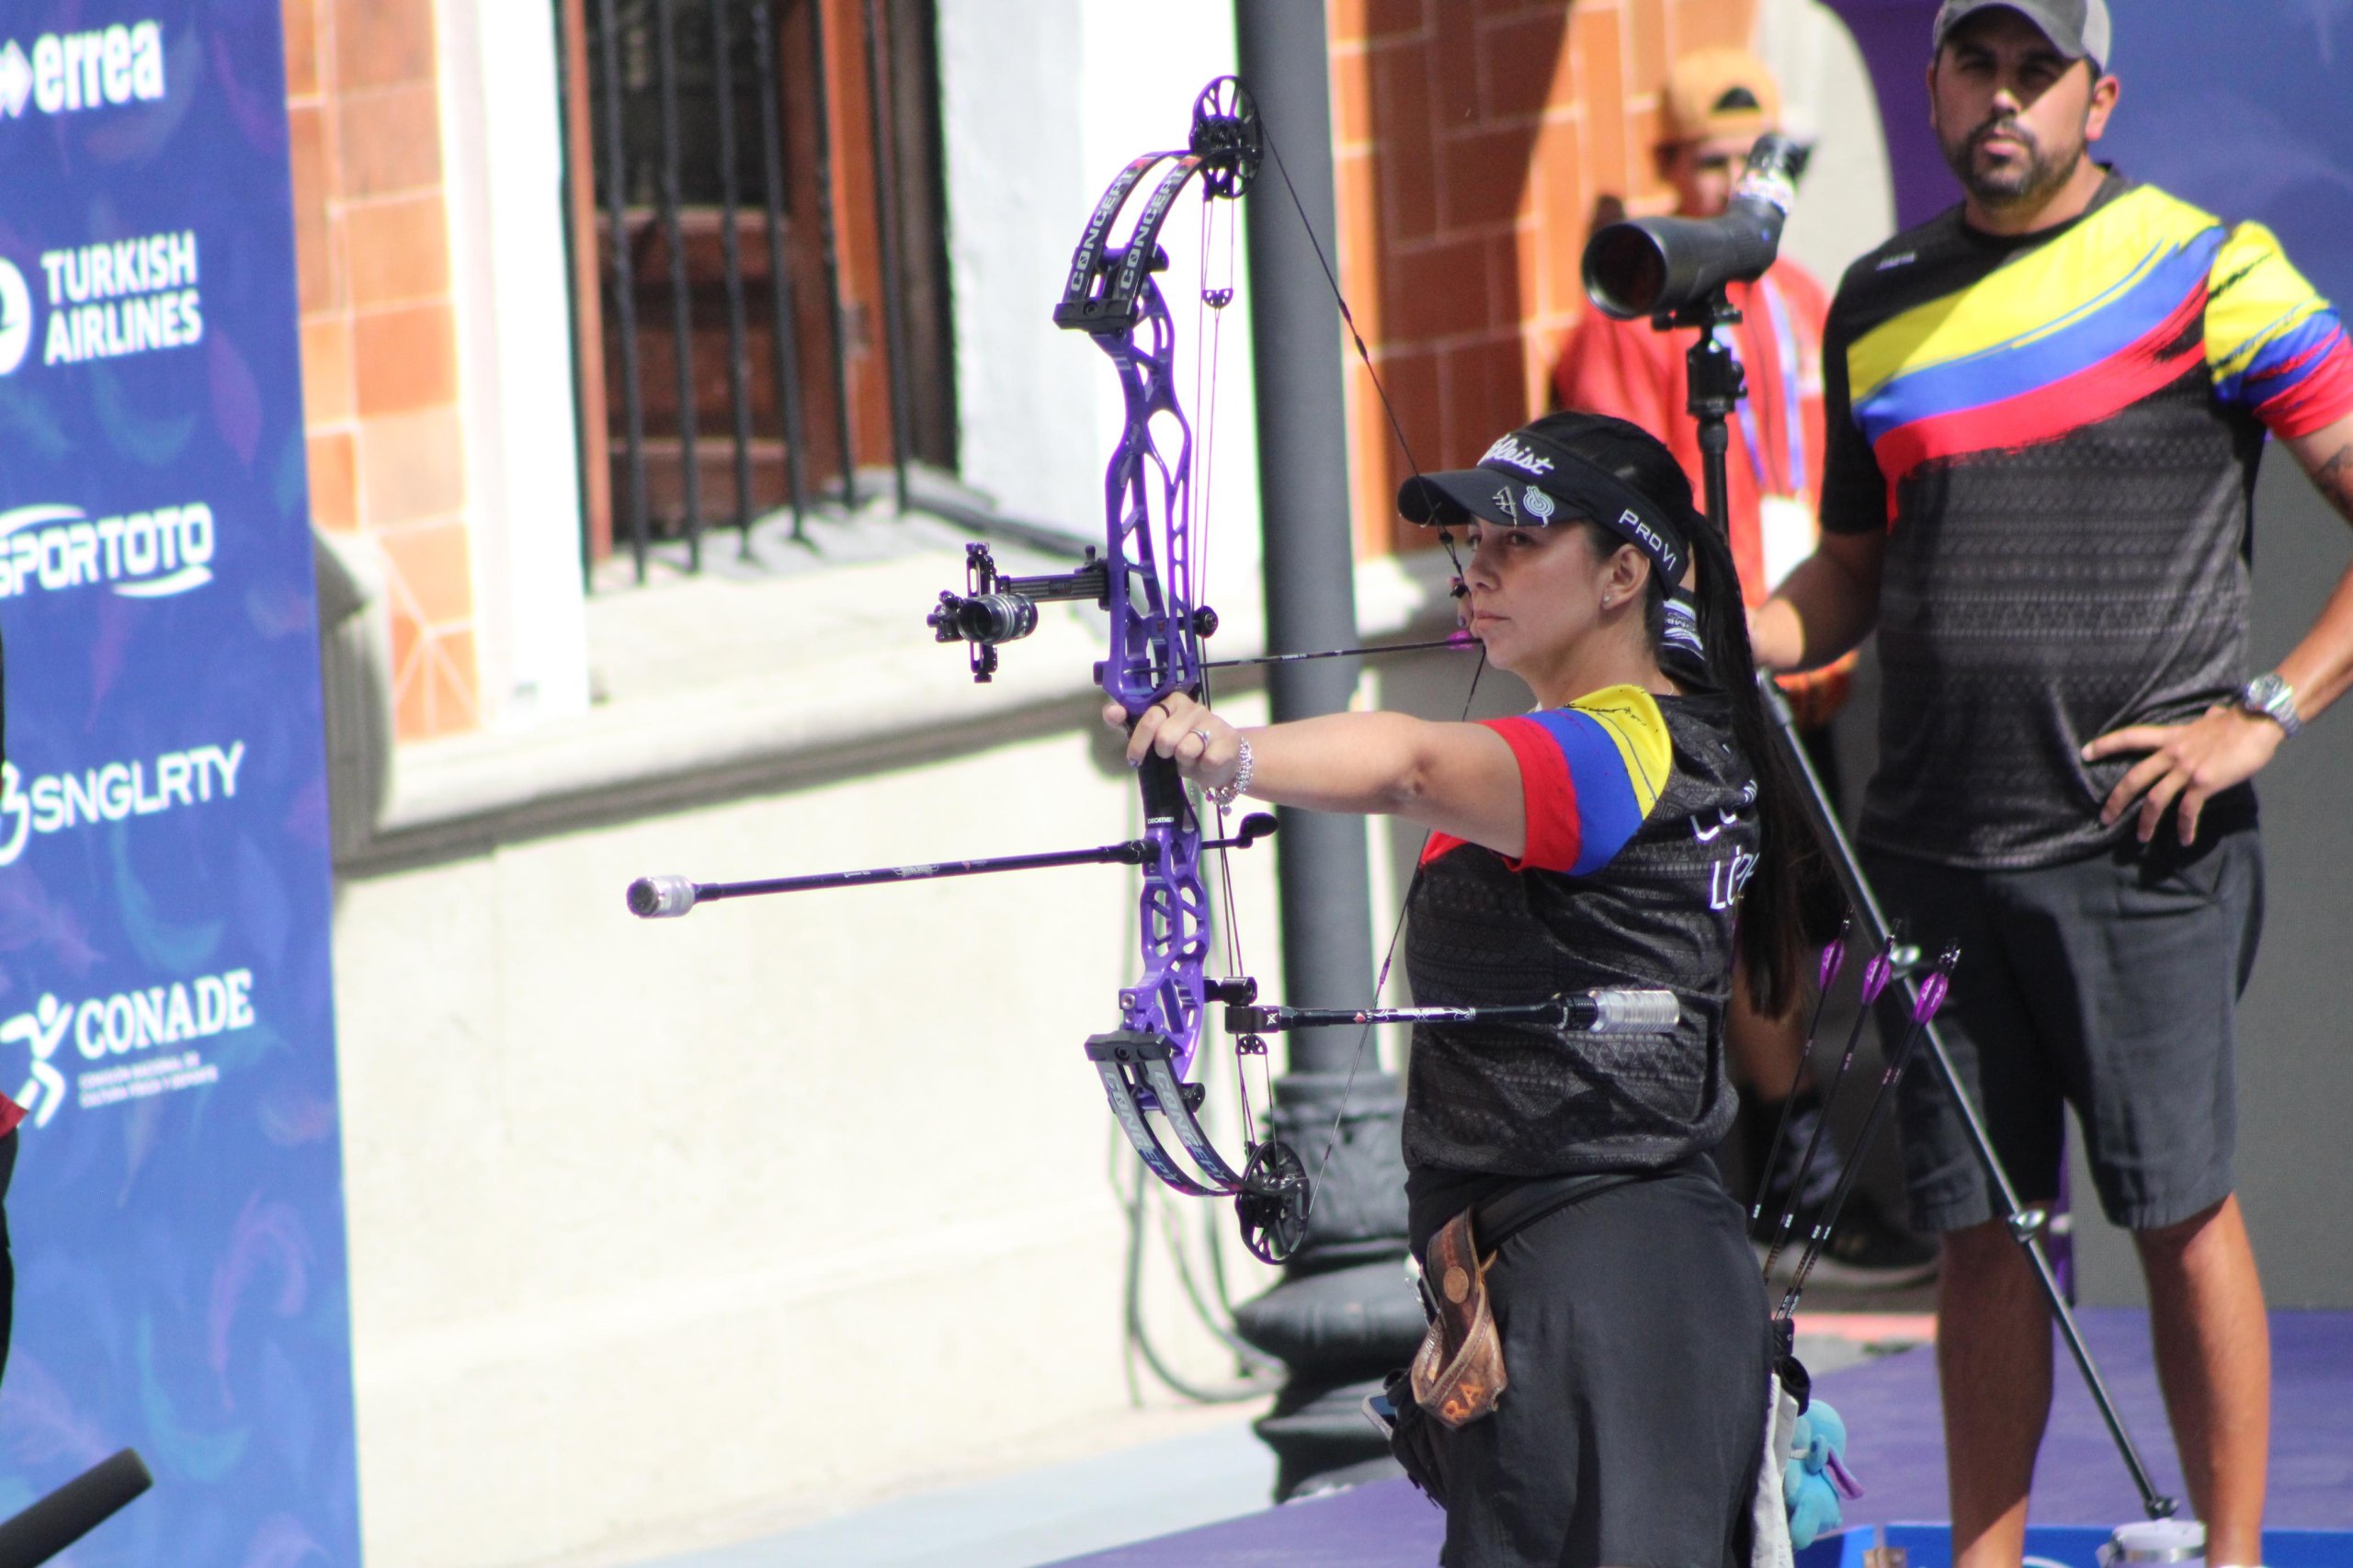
[{"x": 166, "y": 1013}]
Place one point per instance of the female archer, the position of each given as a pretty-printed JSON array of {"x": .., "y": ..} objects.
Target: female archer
[{"x": 1558, "y": 1187}]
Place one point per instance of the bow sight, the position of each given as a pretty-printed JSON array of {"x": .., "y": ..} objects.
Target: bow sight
[{"x": 996, "y": 609}]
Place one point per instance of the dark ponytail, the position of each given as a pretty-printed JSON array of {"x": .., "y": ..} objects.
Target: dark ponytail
[{"x": 1792, "y": 899}]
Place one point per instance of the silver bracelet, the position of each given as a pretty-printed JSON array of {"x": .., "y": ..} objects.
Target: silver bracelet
[{"x": 1225, "y": 794}]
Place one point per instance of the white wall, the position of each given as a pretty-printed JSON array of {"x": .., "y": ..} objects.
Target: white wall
[
  {"x": 501, "y": 136},
  {"x": 779, "y": 1207},
  {"x": 756, "y": 1211},
  {"x": 1846, "y": 203}
]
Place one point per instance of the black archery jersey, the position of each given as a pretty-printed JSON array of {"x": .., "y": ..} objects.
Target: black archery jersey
[{"x": 1642, "y": 828}]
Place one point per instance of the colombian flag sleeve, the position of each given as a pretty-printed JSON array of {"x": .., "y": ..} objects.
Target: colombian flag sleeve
[
  {"x": 1590, "y": 773},
  {"x": 2274, "y": 345}
]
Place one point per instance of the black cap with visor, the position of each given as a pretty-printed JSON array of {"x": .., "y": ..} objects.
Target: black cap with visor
[{"x": 1525, "y": 481}]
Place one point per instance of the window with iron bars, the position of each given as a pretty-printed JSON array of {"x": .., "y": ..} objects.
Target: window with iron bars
[{"x": 759, "y": 265}]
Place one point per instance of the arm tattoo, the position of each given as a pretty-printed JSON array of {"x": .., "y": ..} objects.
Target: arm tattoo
[{"x": 2334, "y": 474}]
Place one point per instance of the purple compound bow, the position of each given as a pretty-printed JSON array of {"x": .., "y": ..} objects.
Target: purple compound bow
[{"x": 1143, "y": 578}]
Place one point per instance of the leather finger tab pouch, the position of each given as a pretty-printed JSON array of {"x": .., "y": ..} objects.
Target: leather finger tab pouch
[{"x": 1458, "y": 1373}]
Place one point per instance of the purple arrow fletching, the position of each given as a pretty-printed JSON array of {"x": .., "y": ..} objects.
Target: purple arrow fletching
[
  {"x": 1876, "y": 976},
  {"x": 1834, "y": 959},
  {"x": 1932, "y": 996}
]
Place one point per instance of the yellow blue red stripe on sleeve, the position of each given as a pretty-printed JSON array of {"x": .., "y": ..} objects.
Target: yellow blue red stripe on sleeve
[
  {"x": 1589, "y": 774},
  {"x": 2274, "y": 345}
]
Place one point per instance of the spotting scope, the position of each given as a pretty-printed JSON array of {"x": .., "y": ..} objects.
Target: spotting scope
[{"x": 1655, "y": 267}]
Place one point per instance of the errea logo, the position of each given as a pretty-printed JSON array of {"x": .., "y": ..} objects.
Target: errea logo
[
  {"x": 69, "y": 71},
  {"x": 15, "y": 317},
  {"x": 15, "y": 80}
]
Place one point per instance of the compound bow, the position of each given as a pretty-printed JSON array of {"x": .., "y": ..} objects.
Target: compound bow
[{"x": 1144, "y": 577}]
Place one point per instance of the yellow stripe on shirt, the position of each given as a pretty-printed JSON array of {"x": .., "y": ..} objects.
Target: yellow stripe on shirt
[
  {"x": 1630, "y": 717},
  {"x": 2093, "y": 265}
]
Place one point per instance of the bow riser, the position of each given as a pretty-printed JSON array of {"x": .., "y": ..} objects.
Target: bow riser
[
  {"x": 1174, "y": 919},
  {"x": 1156, "y": 648}
]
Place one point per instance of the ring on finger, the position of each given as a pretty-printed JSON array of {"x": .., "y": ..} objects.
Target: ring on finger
[{"x": 1204, "y": 736}]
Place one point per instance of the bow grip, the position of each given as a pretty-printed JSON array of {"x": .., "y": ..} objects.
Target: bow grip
[{"x": 1164, "y": 789}]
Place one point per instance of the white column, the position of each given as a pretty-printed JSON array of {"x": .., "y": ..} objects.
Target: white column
[{"x": 502, "y": 154}]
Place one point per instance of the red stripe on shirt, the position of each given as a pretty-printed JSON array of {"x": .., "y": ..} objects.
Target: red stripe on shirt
[
  {"x": 1555, "y": 835},
  {"x": 1440, "y": 844},
  {"x": 2320, "y": 398}
]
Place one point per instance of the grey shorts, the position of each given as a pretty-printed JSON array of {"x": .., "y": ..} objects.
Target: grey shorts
[{"x": 2111, "y": 984}]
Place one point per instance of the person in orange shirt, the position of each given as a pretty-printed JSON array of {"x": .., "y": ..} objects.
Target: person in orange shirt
[{"x": 1716, "y": 104}]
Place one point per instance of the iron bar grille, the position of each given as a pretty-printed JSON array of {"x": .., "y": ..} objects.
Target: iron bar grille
[{"x": 759, "y": 182}]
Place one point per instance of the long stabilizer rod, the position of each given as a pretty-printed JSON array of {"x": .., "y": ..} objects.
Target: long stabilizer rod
[{"x": 668, "y": 897}]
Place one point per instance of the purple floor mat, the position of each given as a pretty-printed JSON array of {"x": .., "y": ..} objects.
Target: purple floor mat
[
  {"x": 1897, "y": 1445},
  {"x": 1897, "y": 1442}
]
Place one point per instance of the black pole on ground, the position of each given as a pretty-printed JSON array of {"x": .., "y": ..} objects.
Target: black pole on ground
[
  {"x": 1717, "y": 387},
  {"x": 1343, "y": 1315}
]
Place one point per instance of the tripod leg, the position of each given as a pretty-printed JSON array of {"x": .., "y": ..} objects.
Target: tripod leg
[
  {"x": 1715, "y": 391},
  {"x": 2024, "y": 1225}
]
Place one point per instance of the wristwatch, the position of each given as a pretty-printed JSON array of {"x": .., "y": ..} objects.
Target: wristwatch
[{"x": 2268, "y": 696}]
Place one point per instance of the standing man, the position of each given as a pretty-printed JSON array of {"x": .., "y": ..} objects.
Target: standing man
[
  {"x": 1716, "y": 103},
  {"x": 2046, "y": 409}
]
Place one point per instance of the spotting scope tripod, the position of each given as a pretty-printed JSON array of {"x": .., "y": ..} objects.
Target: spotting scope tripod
[{"x": 1716, "y": 389}]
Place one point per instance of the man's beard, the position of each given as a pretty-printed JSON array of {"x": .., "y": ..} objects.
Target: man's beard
[{"x": 2024, "y": 182}]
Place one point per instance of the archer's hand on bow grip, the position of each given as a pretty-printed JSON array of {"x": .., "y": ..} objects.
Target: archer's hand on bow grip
[{"x": 1205, "y": 748}]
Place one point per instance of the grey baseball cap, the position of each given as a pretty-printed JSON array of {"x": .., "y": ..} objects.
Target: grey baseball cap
[{"x": 2077, "y": 29}]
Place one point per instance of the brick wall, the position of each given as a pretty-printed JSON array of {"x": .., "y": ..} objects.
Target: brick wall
[
  {"x": 1474, "y": 140},
  {"x": 379, "y": 355}
]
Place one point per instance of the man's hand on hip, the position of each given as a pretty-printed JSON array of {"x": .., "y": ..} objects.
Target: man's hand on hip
[{"x": 2187, "y": 765}]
